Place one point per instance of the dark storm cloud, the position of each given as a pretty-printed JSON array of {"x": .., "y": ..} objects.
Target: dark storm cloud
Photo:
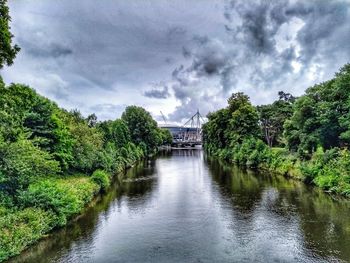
[
  {"x": 210, "y": 57},
  {"x": 200, "y": 51},
  {"x": 186, "y": 52},
  {"x": 278, "y": 45},
  {"x": 46, "y": 50},
  {"x": 160, "y": 91},
  {"x": 262, "y": 20}
]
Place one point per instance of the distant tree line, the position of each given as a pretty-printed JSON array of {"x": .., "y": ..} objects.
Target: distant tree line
[{"x": 306, "y": 137}]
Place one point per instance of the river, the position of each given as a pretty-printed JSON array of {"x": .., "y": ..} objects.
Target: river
[{"x": 185, "y": 207}]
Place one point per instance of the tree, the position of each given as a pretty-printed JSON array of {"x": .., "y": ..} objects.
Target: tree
[
  {"x": 214, "y": 131},
  {"x": 116, "y": 132},
  {"x": 7, "y": 50},
  {"x": 142, "y": 127},
  {"x": 244, "y": 119},
  {"x": 166, "y": 137},
  {"x": 22, "y": 163},
  {"x": 91, "y": 120},
  {"x": 321, "y": 116},
  {"x": 272, "y": 117},
  {"x": 88, "y": 143},
  {"x": 229, "y": 126},
  {"x": 287, "y": 97}
]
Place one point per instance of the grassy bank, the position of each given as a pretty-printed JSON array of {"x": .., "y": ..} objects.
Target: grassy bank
[{"x": 46, "y": 204}]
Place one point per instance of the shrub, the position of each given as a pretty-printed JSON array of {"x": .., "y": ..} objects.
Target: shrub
[
  {"x": 65, "y": 197},
  {"x": 5, "y": 200},
  {"x": 101, "y": 178},
  {"x": 22, "y": 163},
  {"x": 22, "y": 228}
]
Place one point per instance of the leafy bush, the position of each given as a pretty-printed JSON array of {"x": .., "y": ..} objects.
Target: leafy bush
[
  {"x": 65, "y": 197},
  {"x": 22, "y": 228},
  {"x": 101, "y": 178},
  {"x": 22, "y": 163}
]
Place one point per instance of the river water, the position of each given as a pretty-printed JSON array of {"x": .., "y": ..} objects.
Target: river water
[{"x": 184, "y": 207}]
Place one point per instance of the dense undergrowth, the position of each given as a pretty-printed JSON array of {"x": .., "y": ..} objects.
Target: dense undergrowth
[{"x": 305, "y": 138}]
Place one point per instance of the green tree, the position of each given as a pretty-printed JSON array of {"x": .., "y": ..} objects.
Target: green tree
[
  {"x": 22, "y": 163},
  {"x": 116, "y": 132},
  {"x": 321, "y": 116},
  {"x": 215, "y": 130},
  {"x": 272, "y": 117},
  {"x": 8, "y": 51},
  {"x": 87, "y": 146},
  {"x": 244, "y": 119},
  {"x": 231, "y": 125},
  {"x": 166, "y": 137},
  {"x": 143, "y": 128}
]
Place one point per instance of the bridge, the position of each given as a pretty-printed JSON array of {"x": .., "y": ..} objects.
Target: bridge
[{"x": 189, "y": 134}]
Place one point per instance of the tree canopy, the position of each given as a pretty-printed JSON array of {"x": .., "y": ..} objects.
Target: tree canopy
[
  {"x": 8, "y": 51},
  {"x": 232, "y": 124},
  {"x": 142, "y": 127}
]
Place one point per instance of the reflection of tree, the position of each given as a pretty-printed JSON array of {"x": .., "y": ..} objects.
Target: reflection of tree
[
  {"x": 242, "y": 187},
  {"x": 134, "y": 187},
  {"x": 323, "y": 221}
]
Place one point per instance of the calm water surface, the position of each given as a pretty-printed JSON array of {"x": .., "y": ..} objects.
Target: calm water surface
[{"x": 183, "y": 207}]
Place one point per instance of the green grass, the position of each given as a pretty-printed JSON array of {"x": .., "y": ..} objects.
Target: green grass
[{"x": 47, "y": 204}]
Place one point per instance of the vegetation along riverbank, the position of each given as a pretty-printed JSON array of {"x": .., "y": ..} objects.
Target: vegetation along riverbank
[
  {"x": 304, "y": 137},
  {"x": 53, "y": 162}
]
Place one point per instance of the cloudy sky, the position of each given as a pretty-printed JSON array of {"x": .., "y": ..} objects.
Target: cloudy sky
[{"x": 175, "y": 56}]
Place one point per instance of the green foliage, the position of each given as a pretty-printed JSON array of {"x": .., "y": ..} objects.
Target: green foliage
[
  {"x": 64, "y": 197},
  {"x": 22, "y": 163},
  {"x": 115, "y": 131},
  {"x": 329, "y": 170},
  {"x": 214, "y": 131},
  {"x": 273, "y": 116},
  {"x": 62, "y": 149},
  {"x": 38, "y": 142},
  {"x": 230, "y": 126},
  {"x": 22, "y": 228},
  {"x": 243, "y": 120},
  {"x": 88, "y": 144},
  {"x": 166, "y": 137},
  {"x": 321, "y": 116},
  {"x": 7, "y": 50},
  {"x": 101, "y": 178},
  {"x": 315, "y": 128},
  {"x": 142, "y": 127}
]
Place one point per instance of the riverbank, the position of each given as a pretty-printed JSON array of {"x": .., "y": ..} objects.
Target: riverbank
[
  {"x": 55, "y": 202},
  {"x": 328, "y": 170}
]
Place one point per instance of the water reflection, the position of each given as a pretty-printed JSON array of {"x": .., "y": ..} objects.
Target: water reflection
[
  {"x": 185, "y": 207},
  {"x": 321, "y": 221}
]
